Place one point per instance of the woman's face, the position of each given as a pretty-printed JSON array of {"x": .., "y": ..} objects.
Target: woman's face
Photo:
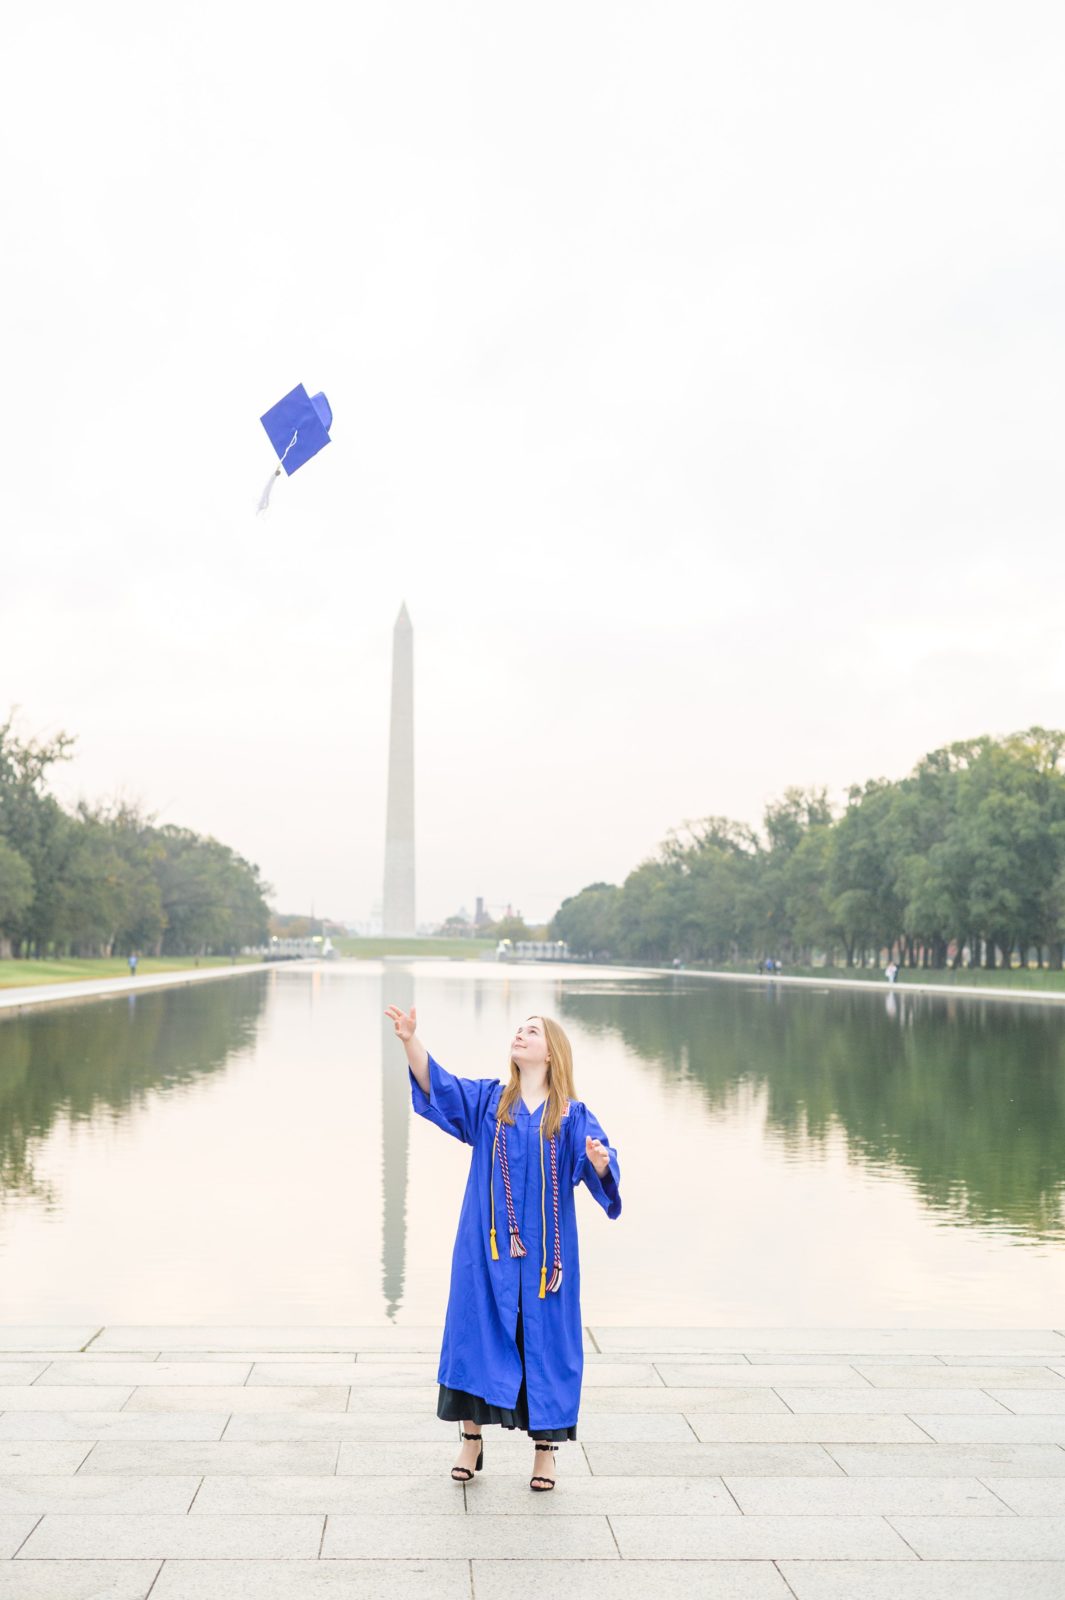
[{"x": 529, "y": 1045}]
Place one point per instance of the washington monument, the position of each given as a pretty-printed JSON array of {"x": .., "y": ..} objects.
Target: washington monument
[{"x": 398, "y": 907}]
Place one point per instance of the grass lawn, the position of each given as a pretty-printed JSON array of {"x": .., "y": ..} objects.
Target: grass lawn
[
  {"x": 21, "y": 974},
  {"x": 374, "y": 949},
  {"x": 974, "y": 977}
]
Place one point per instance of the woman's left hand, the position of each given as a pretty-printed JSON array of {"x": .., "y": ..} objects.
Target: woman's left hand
[{"x": 597, "y": 1154}]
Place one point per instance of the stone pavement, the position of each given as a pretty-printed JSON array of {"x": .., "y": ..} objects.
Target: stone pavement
[{"x": 249, "y": 1463}]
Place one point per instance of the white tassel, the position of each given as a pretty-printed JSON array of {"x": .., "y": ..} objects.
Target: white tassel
[{"x": 264, "y": 498}]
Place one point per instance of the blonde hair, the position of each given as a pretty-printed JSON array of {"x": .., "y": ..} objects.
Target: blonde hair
[{"x": 560, "y": 1089}]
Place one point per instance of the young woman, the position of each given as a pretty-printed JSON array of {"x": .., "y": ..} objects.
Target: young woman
[{"x": 513, "y": 1348}]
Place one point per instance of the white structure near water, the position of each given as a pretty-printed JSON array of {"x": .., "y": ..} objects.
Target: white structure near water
[
  {"x": 398, "y": 907},
  {"x": 532, "y": 950}
]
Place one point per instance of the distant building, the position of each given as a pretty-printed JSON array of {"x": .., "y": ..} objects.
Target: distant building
[
  {"x": 532, "y": 950},
  {"x": 314, "y": 947}
]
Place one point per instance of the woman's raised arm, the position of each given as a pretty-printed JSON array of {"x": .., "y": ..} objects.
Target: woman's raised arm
[{"x": 417, "y": 1054}]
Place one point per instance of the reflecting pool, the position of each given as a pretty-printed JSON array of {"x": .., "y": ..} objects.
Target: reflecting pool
[{"x": 244, "y": 1150}]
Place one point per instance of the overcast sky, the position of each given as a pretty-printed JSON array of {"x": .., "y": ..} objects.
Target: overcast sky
[{"x": 697, "y": 373}]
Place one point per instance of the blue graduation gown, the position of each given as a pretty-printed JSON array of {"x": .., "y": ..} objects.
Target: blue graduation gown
[{"x": 479, "y": 1353}]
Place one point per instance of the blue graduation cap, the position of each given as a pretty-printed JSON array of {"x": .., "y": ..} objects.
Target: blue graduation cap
[{"x": 297, "y": 427}]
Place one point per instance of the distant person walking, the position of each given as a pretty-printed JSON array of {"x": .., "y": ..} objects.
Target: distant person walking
[
  {"x": 891, "y": 971},
  {"x": 133, "y": 966},
  {"x": 515, "y": 1271}
]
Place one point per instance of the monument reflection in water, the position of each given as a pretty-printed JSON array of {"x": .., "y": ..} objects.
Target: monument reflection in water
[{"x": 245, "y": 1151}]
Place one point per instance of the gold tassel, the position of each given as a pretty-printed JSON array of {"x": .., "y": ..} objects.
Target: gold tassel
[
  {"x": 543, "y": 1215},
  {"x": 492, "y": 1194}
]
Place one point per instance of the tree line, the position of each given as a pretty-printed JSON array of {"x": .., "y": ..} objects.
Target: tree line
[
  {"x": 962, "y": 861},
  {"x": 105, "y": 880}
]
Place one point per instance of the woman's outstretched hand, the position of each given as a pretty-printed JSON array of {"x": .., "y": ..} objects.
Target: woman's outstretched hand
[
  {"x": 405, "y": 1026},
  {"x": 417, "y": 1054},
  {"x": 597, "y": 1154}
]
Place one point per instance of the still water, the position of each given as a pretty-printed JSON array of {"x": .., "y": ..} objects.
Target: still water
[{"x": 244, "y": 1151}]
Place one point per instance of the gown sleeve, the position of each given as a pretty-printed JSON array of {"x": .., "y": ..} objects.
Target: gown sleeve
[
  {"x": 455, "y": 1104},
  {"x": 605, "y": 1188}
]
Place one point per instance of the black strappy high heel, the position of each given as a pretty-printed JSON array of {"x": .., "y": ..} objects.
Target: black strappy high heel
[
  {"x": 463, "y": 1474},
  {"x": 539, "y": 1481}
]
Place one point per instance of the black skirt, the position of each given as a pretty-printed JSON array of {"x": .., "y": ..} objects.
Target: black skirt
[{"x": 455, "y": 1405}]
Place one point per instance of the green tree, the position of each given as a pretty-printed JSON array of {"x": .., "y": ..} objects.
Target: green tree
[
  {"x": 967, "y": 851},
  {"x": 31, "y": 822},
  {"x": 16, "y": 891},
  {"x": 212, "y": 899},
  {"x": 586, "y": 920}
]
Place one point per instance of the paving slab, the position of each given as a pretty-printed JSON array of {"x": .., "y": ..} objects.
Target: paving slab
[
  {"x": 169, "y": 1456},
  {"x": 632, "y": 1580},
  {"x": 219, "y": 1538},
  {"x": 963, "y": 1376},
  {"x": 925, "y": 1580},
  {"x": 955, "y": 1460},
  {"x": 1031, "y": 1497},
  {"x": 984, "y": 1538},
  {"x": 35, "y": 1455},
  {"x": 21, "y": 1372},
  {"x": 1029, "y": 1402},
  {"x": 83, "y": 1358},
  {"x": 136, "y": 1374},
  {"x": 850, "y": 1358},
  {"x": 968, "y": 1402},
  {"x": 600, "y": 1427},
  {"x": 497, "y": 1496},
  {"x": 110, "y": 1425},
  {"x": 434, "y": 1537},
  {"x": 334, "y": 1426},
  {"x": 666, "y": 1399},
  {"x": 39, "y": 1492},
  {"x": 49, "y": 1337},
  {"x": 695, "y": 1374},
  {"x": 249, "y": 1357},
  {"x": 435, "y": 1460},
  {"x": 879, "y": 1497},
  {"x": 815, "y": 1427},
  {"x": 168, "y": 1336},
  {"x": 289, "y": 1462},
  {"x": 14, "y": 1529},
  {"x": 766, "y": 1538},
  {"x": 268, "y": 1373},
  {"x": 198, "y": 1397},
  {"x": 77, "y": 1580},
  {"x": 326, "y": 1494},
  {"x": 716, "y": 1460},
  {"x": 415, "y": 1399},
  {"x": 602, "y": 1372},
  {"x": 314, "y": 1580},
  {"x": 65, "y": 1397},
  {"x": 935, "y": 1341},
  {"x": 992, "y": 1430},
  {"x": 1018, "y": 1358}
]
